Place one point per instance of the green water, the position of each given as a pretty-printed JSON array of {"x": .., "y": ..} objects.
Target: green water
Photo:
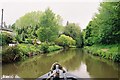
[{"x": 76, "y": 61}]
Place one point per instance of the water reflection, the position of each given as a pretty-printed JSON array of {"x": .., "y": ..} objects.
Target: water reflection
[
  {"x": 75, "y": 60},
  {"x": 81, "y": 71},
  {"x": 99, "y": 69}
]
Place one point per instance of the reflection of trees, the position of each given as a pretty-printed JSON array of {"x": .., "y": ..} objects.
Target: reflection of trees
[
  {"x": 70, "y": 59},
  {"x": 11, "y": 70},
  {"x": 99, "y": 69},
  {"x": 75, "y": 61},
  {"x": 40, "y": 65}
]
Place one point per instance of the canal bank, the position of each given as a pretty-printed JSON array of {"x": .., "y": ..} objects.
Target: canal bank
[
  {"x": 21, "y": 52},
  {"x": 105, "y": 51},
  {"x": 76, "y": 61}
]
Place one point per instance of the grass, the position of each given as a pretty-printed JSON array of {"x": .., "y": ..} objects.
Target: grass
[{"x": 105, "y": 51}]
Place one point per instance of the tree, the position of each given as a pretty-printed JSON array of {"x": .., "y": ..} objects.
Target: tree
[
  {"x": 49, "y": 26},
  {"x": 104, "y": 27},
  {"x": 110, "y": 30},
  {"x": 65, "y": 41},
  {"x": 73, "y": 30},
  {"x": 27, "y": 25}
]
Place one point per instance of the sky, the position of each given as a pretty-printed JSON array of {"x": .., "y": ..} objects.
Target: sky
[{"x": 74, "y": 11}]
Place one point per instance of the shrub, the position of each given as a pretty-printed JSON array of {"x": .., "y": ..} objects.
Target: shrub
[
  {"x": 5, "y": 38},
  {"x": 27, "y": 49},
  {"x": 17, "y": 37},
  {"x": 30, "y": 41},
  {"x": 65, "y": 41},
  {"x": 44, "y": 47},
  {"x": 24, "y": 48},
  {"x": 116, "y": 57},
  {"x": 11, "y": 54},
  {"x": 54, "y": 48}
]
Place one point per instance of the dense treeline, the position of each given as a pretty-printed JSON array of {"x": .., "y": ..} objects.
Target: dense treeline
[
  {"x": 73, "y": 30},
  {"x": 41, "y": 32},
  {"x": 26, "y": 26},
  {"x": 104, "y": 28},
  {"x": 102, "y": 35},
  {"x": 44, "y": 32},
  {"x": 49, "y": 26},
  {"x": 46, "y": 27}
]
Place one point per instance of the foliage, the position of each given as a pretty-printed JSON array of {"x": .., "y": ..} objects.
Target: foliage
[
  {"x": 23, "y": 51},
  {"x": 104, "y": 27},
  {"x": 5, "y": 38},
  {"x": 65, "y": 41},
  {"x": 29, "y": 20},
  {"x": 105, "y": 51},
  {"x": 0, "y": 39},
  {"x": 28, "y": 48},
  {"x": 11, "y": 54},
  {"x": 44, "y": 47},
  {"x": 54, "y": 48},
  {"x": 29, "y": 41},
  {"x": 49, "y": 26},
  {"x": 27, "y": 25},
  {"x": 116, "y": 57},
  {"x": 17, "y": 38},
  {"x": 73, "y": 30}
]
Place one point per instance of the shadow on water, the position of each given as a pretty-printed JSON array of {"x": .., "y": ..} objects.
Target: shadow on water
[{"x": 75, "y": 60}]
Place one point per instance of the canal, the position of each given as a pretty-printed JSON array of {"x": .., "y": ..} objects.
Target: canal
[{"x": 76, "y": 61}]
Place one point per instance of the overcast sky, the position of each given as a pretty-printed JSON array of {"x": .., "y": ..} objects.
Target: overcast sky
[{"x": 76, "y": 11}]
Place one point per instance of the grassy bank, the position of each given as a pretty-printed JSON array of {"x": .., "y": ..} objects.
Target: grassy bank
[
  {"x": 105, "y": 51},
  {"x": 23, "y": 51}
]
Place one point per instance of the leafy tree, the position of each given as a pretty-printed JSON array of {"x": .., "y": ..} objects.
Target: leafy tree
[
  {"x": 65, "y": 41},
  {"x": 49, "y": 26},
  {"x": 27, "y": 25},
  {"x": 104, "y": 27},
  {"x": 73, "y": 30}
]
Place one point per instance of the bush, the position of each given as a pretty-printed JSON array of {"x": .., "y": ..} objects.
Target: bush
[
  {"x": 30, "y": 41},
  {"x": 65, "y": 41},
  {"x": 54, "y": 48},
  {"x": 44, "y": 47},
  {"x": 116, "y": 57},
  {"x": 24, "y": 48},
  {"x": 17, "y": 37},
  {"x": 88, "y": 42},
  {"x": 5, "y": 38},
  {"x": 11, "y": 54}
]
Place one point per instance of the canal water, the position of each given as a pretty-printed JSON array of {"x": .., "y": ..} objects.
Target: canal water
[{"x": 76, "y": 61}]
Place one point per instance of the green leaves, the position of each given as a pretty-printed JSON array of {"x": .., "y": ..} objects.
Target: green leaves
[
  {"x": 27, "y": 25},
  {"x": 5, "y": 38},
  {"x": 73, "y": 30},
  {"x": 42, "y": 25},
  {"x": 65, "y": 41},
  {"x": 49, "y": 27},
  {"x": 104, "y": 27}
]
